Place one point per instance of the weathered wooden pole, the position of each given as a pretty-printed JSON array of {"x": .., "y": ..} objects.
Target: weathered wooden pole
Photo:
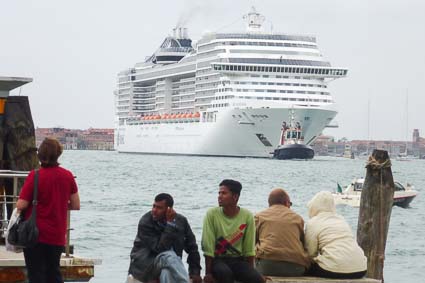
[
  {"x": 375, "y": 212},
  {"x": 17, "y": 137},
  {"x": 19, "y": 149}
]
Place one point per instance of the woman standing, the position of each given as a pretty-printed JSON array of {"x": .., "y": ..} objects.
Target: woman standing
[
  {"x": 57, "y": 192},
  {"x": 330, "y": 243}
]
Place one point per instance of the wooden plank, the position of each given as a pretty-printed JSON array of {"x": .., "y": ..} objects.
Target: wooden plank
[
  {"x": 74, "y": 269},
  {"x": 12, "y": 275},
  {"x": 69, "y": 274},
  {"x": 320, "y": 280}
]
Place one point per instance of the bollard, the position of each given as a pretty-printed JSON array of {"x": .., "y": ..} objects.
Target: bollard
[{"x": 375, "y": 212}]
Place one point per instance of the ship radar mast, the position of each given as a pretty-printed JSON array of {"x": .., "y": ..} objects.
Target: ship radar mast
[{"x": 254, "y": 20}]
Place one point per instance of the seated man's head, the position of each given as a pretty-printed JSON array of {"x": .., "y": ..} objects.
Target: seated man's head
[
  {"x": 279, "y": 196},
  {"x": 229, "y": 191},
  {"x": 162, "y": 202}
]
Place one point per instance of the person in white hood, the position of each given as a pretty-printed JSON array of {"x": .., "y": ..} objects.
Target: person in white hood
[{"x": 330, "y": 242}]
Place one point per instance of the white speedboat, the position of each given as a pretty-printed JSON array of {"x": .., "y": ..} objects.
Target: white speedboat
[{"x": 403, "y": 195}]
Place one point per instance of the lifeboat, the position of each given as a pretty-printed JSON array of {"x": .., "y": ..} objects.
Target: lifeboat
[{"x": 196, "y": 116}]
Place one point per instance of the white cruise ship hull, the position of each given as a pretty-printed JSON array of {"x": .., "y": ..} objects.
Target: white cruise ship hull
[{"x": 236, "y": 132}]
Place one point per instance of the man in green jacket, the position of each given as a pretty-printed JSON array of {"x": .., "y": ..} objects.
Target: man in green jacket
[{"x": 228, "y": 239}]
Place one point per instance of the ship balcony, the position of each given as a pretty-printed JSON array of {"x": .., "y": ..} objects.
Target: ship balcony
[
  {"x": 144, "y": 87},
  {"x": 144, "y": 98},
  {"x": 183, "y": 94},
  {"x": 205, "y": 96},
  {"x": 206, "y": 89},
  {"x": 313, "y": 71},
  {"x": 181, "y": 102},
  {"x": 203, "y": 103},
  {"x": 183, "y": 107}
]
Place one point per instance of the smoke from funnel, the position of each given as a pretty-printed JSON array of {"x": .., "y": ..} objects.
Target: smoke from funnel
[{"x": 191, "y": 11}]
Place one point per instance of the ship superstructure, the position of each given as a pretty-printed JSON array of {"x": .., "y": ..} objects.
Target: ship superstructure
[{"x": 226, "y": 96}]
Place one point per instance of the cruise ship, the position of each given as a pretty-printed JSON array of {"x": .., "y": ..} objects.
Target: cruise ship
[{"x": 228, "y": 94}]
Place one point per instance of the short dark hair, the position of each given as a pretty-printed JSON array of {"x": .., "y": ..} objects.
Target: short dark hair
[
  {"x": 234, "y": 186},
  {"x": 49, "y": 151},
  {"x": 167, "y": 197}
]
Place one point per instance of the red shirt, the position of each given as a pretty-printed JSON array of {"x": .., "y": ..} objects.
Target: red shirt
[{"x": 55, "y": 186}]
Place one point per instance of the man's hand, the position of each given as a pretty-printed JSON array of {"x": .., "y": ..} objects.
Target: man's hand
[
  {"x": 265, "y": 278},
  {"x": 208, "y": 278},
  {"x": 196, "y": 279},
  {"x": 170, "y": 214}
]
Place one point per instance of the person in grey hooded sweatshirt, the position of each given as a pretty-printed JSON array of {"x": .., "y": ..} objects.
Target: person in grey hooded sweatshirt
[{"x": 330, "y": 242}]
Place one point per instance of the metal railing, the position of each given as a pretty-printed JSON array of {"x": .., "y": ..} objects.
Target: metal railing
[{"x": 7, "y": 199}]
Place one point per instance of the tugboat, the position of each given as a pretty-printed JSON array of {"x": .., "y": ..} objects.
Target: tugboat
[{"x": 291, "y": 145}]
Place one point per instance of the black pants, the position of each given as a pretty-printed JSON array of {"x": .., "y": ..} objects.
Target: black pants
[
  {"x": 42, "y": 262},
  {"x": 227, "y": 270},
  {"x": 316, "y": 270}
]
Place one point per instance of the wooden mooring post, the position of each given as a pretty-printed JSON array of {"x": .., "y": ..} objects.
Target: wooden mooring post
[{"x": 375, "y": 212}]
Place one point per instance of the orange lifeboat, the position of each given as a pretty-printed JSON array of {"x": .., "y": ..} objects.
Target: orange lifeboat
[{"x": 197, "y": 115}]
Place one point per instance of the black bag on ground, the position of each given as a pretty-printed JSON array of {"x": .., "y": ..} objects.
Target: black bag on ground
[{"x": 24, "y": 233}]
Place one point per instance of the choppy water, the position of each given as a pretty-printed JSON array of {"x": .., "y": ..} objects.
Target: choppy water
[{"x": 116, "y": 189}]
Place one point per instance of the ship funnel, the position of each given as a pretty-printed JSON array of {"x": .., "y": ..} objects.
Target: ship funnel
[{"x": 180, "y": 33}]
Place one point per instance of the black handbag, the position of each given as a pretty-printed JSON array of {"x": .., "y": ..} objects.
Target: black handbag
[{"x": 24, "y": 233}]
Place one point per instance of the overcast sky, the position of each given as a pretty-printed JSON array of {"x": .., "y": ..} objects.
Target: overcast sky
[{"x": 74, "y": 49}]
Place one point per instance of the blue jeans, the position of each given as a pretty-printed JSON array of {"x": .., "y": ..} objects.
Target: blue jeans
[{"x": 171, "y": 268}]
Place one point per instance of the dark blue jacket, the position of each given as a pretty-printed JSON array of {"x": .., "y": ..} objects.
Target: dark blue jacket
[{"x": 153, "y": 238}]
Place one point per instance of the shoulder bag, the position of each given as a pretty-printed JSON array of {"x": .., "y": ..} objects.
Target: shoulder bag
[{"x": 24, "y": 233}]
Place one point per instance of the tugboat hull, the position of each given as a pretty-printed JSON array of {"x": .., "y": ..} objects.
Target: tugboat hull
[{"x": 294, "y": 151}]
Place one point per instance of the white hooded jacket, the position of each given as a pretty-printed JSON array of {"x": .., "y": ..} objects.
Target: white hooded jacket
[{"x": 329, "y": 240}]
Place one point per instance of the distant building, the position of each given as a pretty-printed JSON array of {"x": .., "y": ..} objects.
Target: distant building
[
  {"x": 91, "y": 139},
  {"x": 416, "y": 137},
  {"x": 326, "y": 145}
]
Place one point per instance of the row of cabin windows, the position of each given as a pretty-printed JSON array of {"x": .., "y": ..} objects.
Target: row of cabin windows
[
  {"x": 281, "y": 84},
  {"x": 283, "y": 77},
  {"x": 274, "y": 98},
  {"x": 283, "y": 91},
  {"x": 301, "y": 70},
  {"x": 220, "y": 105},
  {"x": 273, "y": 91},
  {"x": 257, "y": 43}
]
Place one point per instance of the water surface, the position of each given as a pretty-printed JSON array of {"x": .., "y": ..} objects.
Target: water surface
[{"x": 117, "y": 189}]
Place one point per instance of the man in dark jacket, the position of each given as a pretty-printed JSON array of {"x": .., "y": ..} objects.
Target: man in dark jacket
[{"x": 161, "y": 238}]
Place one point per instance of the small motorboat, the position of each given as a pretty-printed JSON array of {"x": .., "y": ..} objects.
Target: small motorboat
[{"x": 403, "y": 195}]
